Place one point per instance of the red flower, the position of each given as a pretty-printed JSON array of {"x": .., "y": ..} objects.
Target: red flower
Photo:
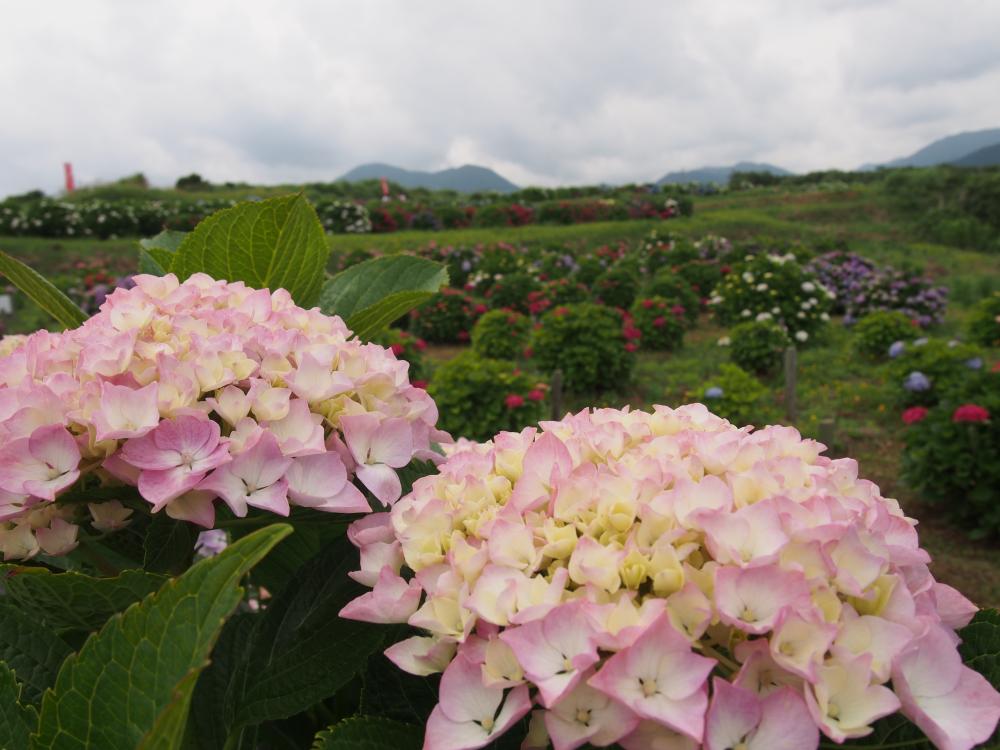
[
  {"x": 630, "y": 347},
  {"x": 481, "y": 308},
  {"x": 914, "y": 414},
  {"x": 397, "y": 349},
  {"x": 632, "y": 333},
  {"x": 677, "y": 310},
  {"x": 419, "y": 384},
  {"x": 536, "y": 394},
  {"x": 463, "y": 335},
  {"x": 513, "y": 401},
  {"x": 970, "y": 413},
  {"x": 528, "y": 352},
  {"x": 420, "y": 344},
  {"x": 647, "y": 303}
]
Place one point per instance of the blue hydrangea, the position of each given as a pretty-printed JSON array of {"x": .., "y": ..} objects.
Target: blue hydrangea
[
  {"x": 713, "y": 392},
  {"x": 897, "y": 348},
  {"x": 916, "y": 382}
]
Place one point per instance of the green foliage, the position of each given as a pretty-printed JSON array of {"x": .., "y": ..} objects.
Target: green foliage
[
  {"x": 616, "y": 288},
  {"x": 512, "y": 291},
  {"x": 131, "y": 682},
  {"x": 773, "y": 287},
  {"x": 299, "y": 651},
  {"x": 156, "y": 254},
  {"x": 984, "y": 321},
  {"x": 446, "y": 318},
  {"x": 42, "y": 292},
  {"x": 269, "y": 244},
  {"x": 741, "y": 399},
  {"x": 678, "y": 292},
  {"x": 369, "y": 733},
  {"x": 758, "y": 346},
  {"x": 875, "y": 333},
  {"x": 585, "y": 341},
  {"x": 371, "y": 295},
  {"x": 31, "y": 649},
  {"x": 500, "y": 334},
  {"x": 71, "y": 600},
  {"x": 956, "y": 465},
  {"x": 946, "y": 364},
  {"x": 661, "y": 329},
  {"x": 17, "y": 720},
  {"x": 474, "y": 397}
]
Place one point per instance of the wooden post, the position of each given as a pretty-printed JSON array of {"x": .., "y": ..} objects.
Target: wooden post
[
  {"x": 556, "y": 395},
  {"x": 791, "y": 381}
]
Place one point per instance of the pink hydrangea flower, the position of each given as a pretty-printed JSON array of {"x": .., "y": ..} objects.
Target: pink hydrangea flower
[
  {"x": 198, "y": 390},
  {"x": 600, "y": 568}
]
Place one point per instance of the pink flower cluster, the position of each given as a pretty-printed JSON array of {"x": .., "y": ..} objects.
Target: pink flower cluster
[
  {"x": 194, "y": 392},
  {"x": 666, "y": 580}
]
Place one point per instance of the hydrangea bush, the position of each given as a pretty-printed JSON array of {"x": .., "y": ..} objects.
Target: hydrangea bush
[
  {"x": 775, "y": 288},
  {"x": 664, "y": 579},
  {"x": 653, "y": 579}
]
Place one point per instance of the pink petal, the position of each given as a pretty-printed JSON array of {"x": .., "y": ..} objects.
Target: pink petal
[
  {"x": 195, "y": 506},
  {"x": 392, "y": 600},
  {"x": 53, "y": 445},
  {"x": 392, "y": 443},
  {"x": 382, "y": 481},
  {"x": 160, "y": 487},
  {"x": 733, "y": 715},
  {"x": 785, "y": 724},
  {"x": 954, "y": 609},
  {"x": 752, "y": 599},
  {"x": 273, "y": 498},
  {"x": 359, "y": 429}
]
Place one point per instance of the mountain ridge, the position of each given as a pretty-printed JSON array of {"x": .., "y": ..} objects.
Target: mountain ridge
[
  {"x": 719, "y": 175},
  {"x": 468, "y": 178}
]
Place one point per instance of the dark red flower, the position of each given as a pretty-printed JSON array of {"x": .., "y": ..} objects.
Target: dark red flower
[
  {"x": 513, "y": 401},
  {"x": 397, "y": 349},
  {"x": 914, "y": 414},
  {"x": 970, "y": 413},
  {"x": 536, "y": 394},
  {"x": 659, "y": 322},
  {"x": 630, "y": 347}
]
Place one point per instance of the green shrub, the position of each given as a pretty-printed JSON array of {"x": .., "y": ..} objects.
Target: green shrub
[
  {"x": 501, "y": 334},
  {"x": 616, "y": 288},
  {"x": 512, "y": 291},
  {"x": 984, "y": 321},
  {"x": 678, "y": 292},
  {"x": 564, "y": 292},
  {"x": 446, "y": 318},
  {"x": 589, "y": 269},
  {"x": 956, "y": 463},
  {"x": 928, "y": 370},
  {"x": 758, "y": 346},
  {"x": 875, "y": 333},
  {"x": 734, "y": 394},
  {"x": 701, "y": 275},
  {"x": 661, "y": 329},
  {"x": 478, "y": 397},
  {"x": 773, "y": 287},
  {"x": 585, "y": 341}
]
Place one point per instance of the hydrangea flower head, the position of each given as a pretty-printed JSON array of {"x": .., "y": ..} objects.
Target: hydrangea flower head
[
  {"x": 664, "y": 579},
  {"x": 194, "y": 392}
]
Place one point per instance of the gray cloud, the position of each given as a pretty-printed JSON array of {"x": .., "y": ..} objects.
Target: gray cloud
[{"x": 562, "y": 91}]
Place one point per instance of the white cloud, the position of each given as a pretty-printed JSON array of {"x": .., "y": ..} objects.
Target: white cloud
[{"x": 561, "y": 91}]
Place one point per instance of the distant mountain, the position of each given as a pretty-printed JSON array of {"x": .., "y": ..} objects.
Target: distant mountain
[
  {"x": 719, "y": 175},
  {"x": 949, "y": 150},
  {"x": 984, "y": 157},
  {"x": 465, "y": 179}
]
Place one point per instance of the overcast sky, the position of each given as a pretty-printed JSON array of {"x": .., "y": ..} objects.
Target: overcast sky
[{"x": 545, "y": 92}]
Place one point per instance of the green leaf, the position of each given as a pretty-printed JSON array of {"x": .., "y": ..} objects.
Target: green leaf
[
  {"x": 42, "y": 292},
  {"x": 394, "y": 694},
  {"x": 169, "y": 545},
  {"x": 370, "y": 295},
  {"x": 981, "y": 636},
  {"x": 369, "y": 733},
  {"x": 128, "y": 678},
  {"x": 73, "y": 600},
  {"x": 301, "y": 651},
  {"x": 206, "y": 730},
  {"x": 17, "y": 721},
  {"x": 268, "y": 244},
  {"x": 156, "y": 254},
  {"x": 31, "y": 649}
]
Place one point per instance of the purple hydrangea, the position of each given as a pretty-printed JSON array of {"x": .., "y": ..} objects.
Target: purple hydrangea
[
  {"x": 897, "y": 348},
  {"x": 917, "y": 382},
  {"x": 713, "y": 392}
]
